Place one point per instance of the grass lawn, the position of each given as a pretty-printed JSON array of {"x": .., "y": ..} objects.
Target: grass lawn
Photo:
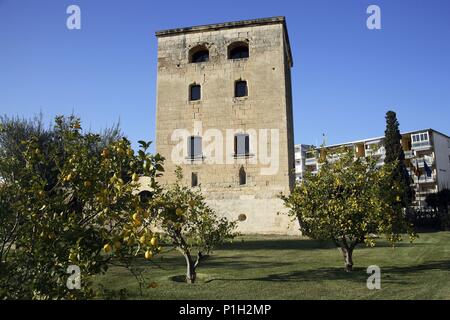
[{"x": 276, "y": 267}]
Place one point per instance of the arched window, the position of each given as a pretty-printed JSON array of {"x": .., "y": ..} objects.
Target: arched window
[
  {"x": 240, "y": 88},
  {"x": 242, "y": 176},
  {"x": 238, "y": 50},
  {"x": 199, "y": 54},
  {"x": 194, "y": 92}
]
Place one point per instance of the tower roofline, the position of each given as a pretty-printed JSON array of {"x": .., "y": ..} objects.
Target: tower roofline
[{"x": 230, "y": 25}]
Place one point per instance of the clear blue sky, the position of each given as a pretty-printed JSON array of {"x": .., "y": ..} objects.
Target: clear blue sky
[{"x": 345, "y": 77}]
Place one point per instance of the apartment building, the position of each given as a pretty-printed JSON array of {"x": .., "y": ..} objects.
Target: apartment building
[
  {"x": 427, "y": 156},
  {"x": 300, "y": 160}
]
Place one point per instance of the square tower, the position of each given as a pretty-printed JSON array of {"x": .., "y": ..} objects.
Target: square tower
[{"x": 224, "y": 114}]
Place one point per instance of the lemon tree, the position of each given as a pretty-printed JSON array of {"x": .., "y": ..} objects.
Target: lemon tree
[
  {"x": 348, "y": 201},
  {"x": 73, "y": 202},
  {"x": 190, "y": 225}
]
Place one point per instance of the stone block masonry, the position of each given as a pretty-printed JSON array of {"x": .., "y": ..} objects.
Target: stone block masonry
[{"x": 207, "y": 56}]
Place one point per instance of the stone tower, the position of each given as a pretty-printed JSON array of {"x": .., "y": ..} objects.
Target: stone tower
[{"x": 224, "y": 114}]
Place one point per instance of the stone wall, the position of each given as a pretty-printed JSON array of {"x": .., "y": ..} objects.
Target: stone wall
[{"x": 267, "y": 106}]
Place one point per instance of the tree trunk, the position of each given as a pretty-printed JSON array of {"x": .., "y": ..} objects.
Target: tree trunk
[
  {"x": 348, "y": 258},
  {"x": 191, "y": 274}
]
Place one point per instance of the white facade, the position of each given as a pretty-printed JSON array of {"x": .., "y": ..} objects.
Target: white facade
[{"x": 300, "y": 159}]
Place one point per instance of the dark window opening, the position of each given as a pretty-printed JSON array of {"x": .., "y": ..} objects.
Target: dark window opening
[
  {"x": 145, "y": 196},
  {"x": 242, "y": 176},
  {"x": 199, "y": 54},
  {"x": 195, "y": 92},
  {"x": 194, "y": 179},
  {"x": 238, "y": 51},
  {"x": 241, "y": 144},
  {"x": 194, "y": 147},
  {"x": 240, "y": 88}
]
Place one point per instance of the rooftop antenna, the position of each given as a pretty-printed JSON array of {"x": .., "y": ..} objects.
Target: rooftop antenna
[{"x": 324, "y": 139}]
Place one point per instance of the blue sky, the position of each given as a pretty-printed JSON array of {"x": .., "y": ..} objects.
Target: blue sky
[{"x": 345, "y": 77}]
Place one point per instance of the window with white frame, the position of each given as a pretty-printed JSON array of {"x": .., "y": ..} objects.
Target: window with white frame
[{"x": 420, "y": 137}]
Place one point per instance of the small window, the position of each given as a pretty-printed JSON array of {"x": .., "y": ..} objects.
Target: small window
[
  {"x": 145, "y": 196},
  {"x": 195, "y": 92},
  {"x": 424, "y": 136},
  {"x": 238, "y": 50},
  {"x": 194, "y": 147},
  {"x": 420, "y": 137},
  {"x": 199, "y": 54},
  {"x": 194, "y": 179},
  {"x": 242, "y": 176},
  {"x": 241, "y": 144},
  {"x": 240, "y": 88}
]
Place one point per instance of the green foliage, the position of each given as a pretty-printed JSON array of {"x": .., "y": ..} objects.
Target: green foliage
[
  {"x": 395, "y": 155},
  {"x": 189, "y": 224},
  {"x": 66, "y": 198},
  {"x": 348, "y": 201},
  {"x": 440, "y": 202}
]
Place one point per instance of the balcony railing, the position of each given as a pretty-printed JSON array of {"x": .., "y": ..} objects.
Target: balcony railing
[
  {"x": 421, "y": 145},
  {"x": 420, "y": 161},
  {"x": 409, "y": 154},
  {"x": 425, "y": 179},
  {"x": 310, "y": 161}
]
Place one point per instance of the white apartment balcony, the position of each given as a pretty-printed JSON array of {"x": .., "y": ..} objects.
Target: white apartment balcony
[
  {"x": 409, "y": 154},
  {"x": 310, "y": 161},
  {"x": 379, "y": 152},
  {"x": 422, "y": 145},
  {"x": 424, "y": 193},
  {"x": 425, "y": 179},
  {"x": 420, "y": 161}
]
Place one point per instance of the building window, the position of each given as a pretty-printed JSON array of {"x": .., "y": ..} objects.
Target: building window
[
  {"x": 242, "y": 176},
  {"x": 240, "y": 88},
  {"x": 194, "y": 179},
  {"x": 241, "y": 145},
  {"x": 420, "y": 137},
  {"x": 194, "y": 147},
  {"x": 238, "y": 50},
  {"x": 145, "y": 196},
  {"x": 199, "y": 54},
  {"x": 194, "y": 92}
]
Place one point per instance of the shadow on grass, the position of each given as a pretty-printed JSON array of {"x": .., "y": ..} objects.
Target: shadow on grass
[
  {"x": 358, "y": 275},
  {"x": 299, "y": 244},
  {"x": 212, "y": 262},
  {"x": 277, "y": 244}
]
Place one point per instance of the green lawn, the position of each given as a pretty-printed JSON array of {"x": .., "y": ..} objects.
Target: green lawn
[{"x": 275, "y": 267}]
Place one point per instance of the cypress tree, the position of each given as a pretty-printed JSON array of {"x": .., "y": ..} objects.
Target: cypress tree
[{"x": 395, "y": 154}]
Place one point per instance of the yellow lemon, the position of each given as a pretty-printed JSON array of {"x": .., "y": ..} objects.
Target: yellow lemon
[{"x": 148, "y": 254}]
